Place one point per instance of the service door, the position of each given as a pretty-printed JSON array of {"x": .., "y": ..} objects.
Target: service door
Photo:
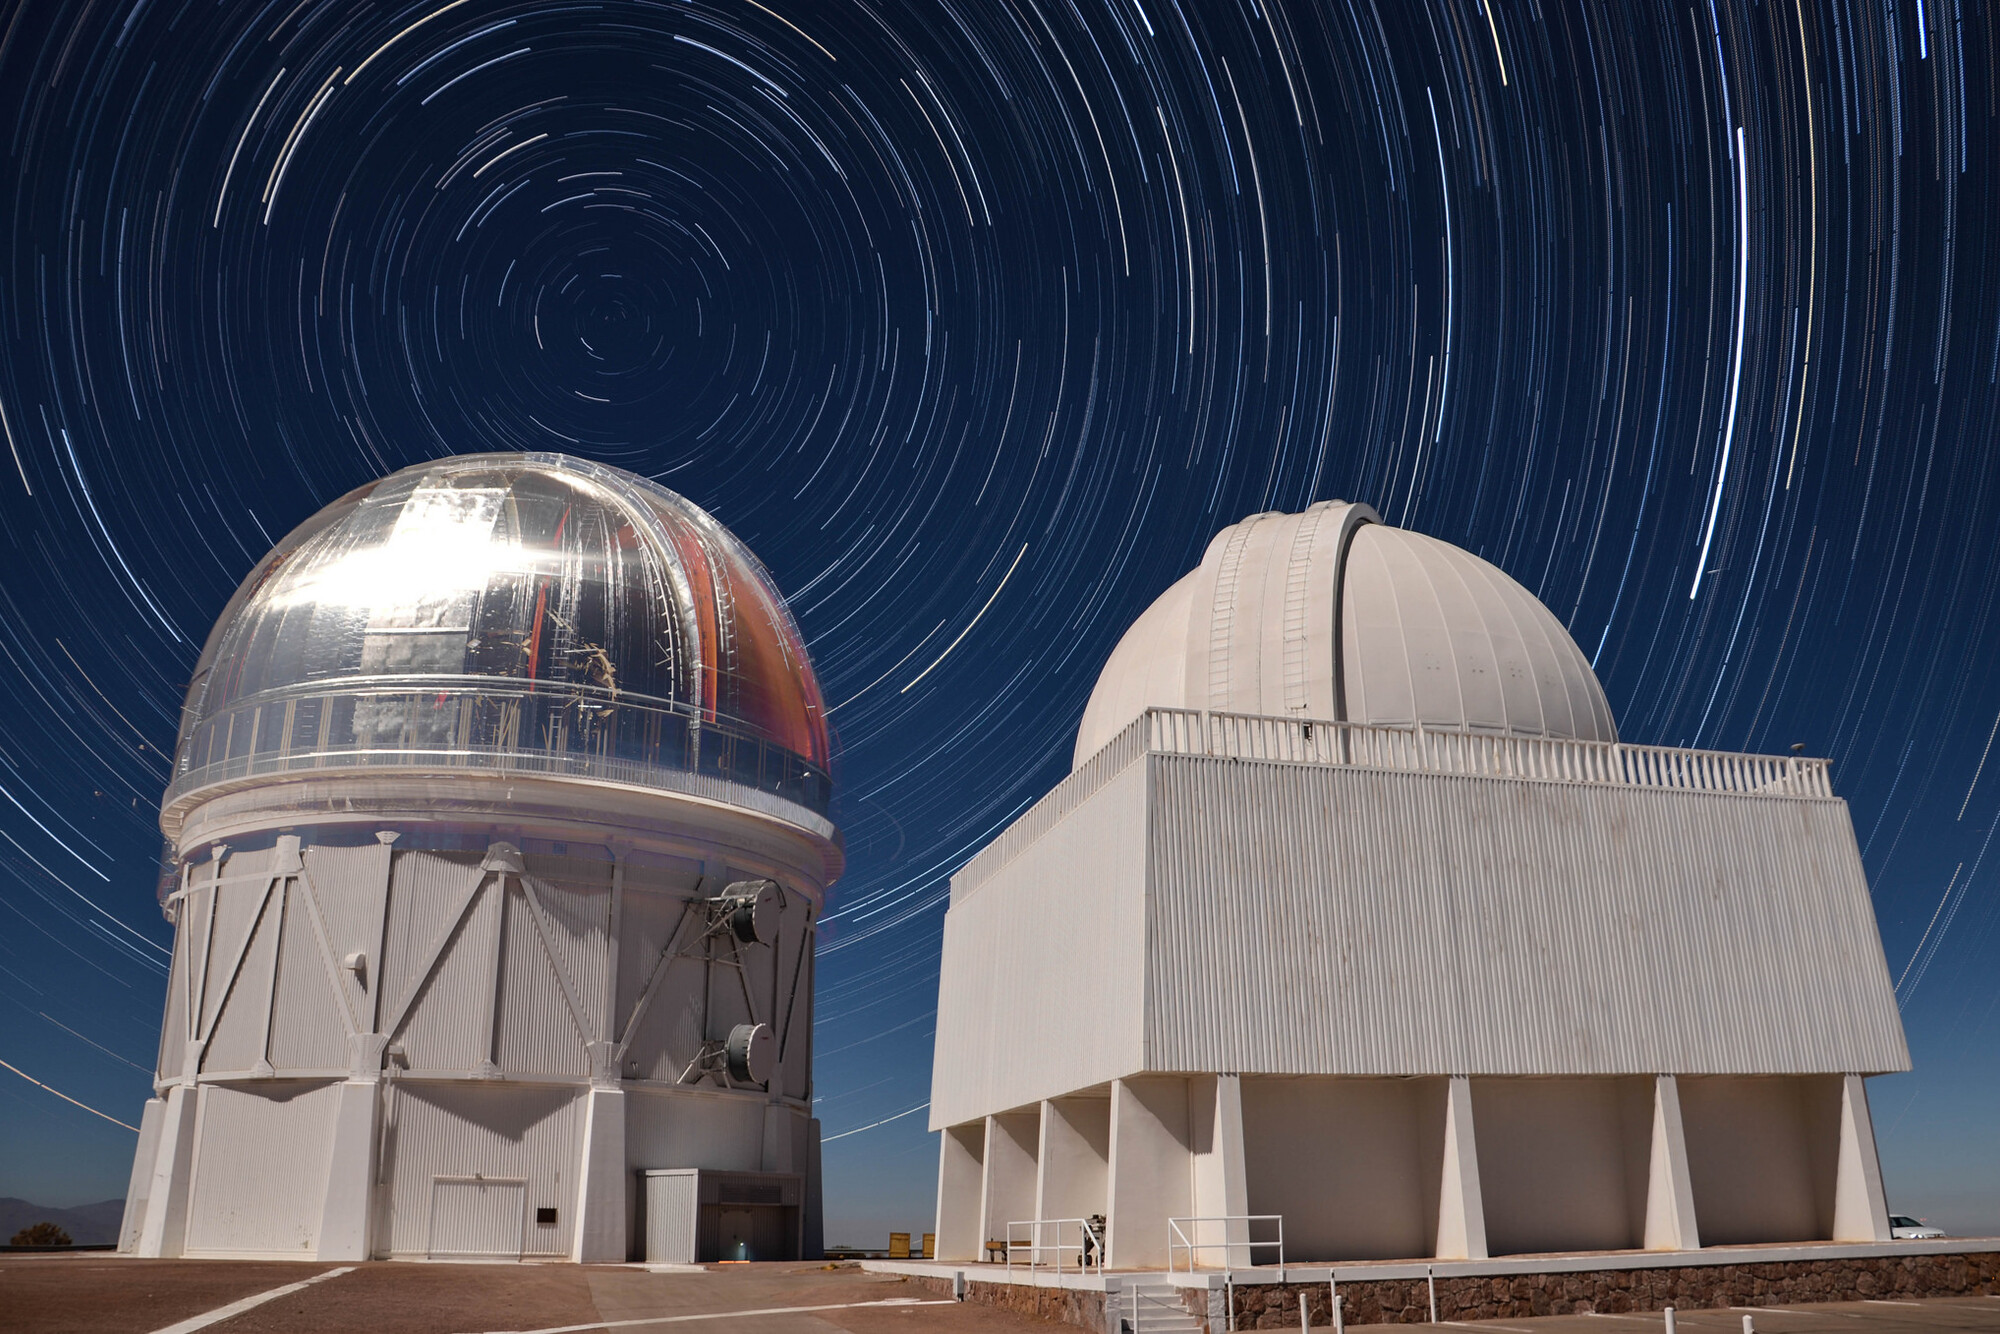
[
  {"x": 477, "y": 1217},
  {"x": 736, "y": 1234}
]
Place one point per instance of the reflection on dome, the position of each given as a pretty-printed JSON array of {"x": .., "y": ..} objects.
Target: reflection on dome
[{"x": 527, "y": 612}]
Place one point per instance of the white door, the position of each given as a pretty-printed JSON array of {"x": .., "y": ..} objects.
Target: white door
[{"x": 477, "y": 1217}]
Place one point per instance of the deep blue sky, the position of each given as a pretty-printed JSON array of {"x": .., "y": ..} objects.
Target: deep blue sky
[{"x": 1687, "y": 317}]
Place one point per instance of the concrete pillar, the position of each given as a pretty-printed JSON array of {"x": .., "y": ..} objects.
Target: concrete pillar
[
  {"x": 1860, "y": 1206},
  {"x": 1070, "y": 1167},
  {"x": 142, "y": 1175},
  {"x": 347, "y": 1212},
  {"x": 961, "y": 1155},
  {"x": 348, "y": 1208},
  {"x": 812, "y": 1245},
  {"x": 1150, "y": 1178},
  {"x": 1221, "y": 1192},
  {"x": 165, "y": 1229},
  {"x": 1670, "y": 1221},
  {"x": 598, "y": 1236},
  {"x": 1461, "y": 1229},
  {"x": 779, "y": 1151},
  {"x": 1007, "y": 1190}
]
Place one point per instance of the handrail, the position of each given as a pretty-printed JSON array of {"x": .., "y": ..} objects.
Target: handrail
[
  {"x": 501, "y": 725},
  {"x": 1425, "y": 749},
  {"x": 1090, "y": 1241},
  {"x": 1178, "y": 1242}
]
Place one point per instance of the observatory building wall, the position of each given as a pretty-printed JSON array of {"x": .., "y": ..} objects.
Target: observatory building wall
[
  {"x": 487, "y": 989},
  {"x": 1048, "y": 976},
  {"x": 1345, "y": 920},
  {"x": 1499, "y": 999},
  {"x": 1321, "y": 919}
]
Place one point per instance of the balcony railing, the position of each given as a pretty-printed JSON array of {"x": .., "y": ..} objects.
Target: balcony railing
[
  {"x": 506, "y": 727},
  {"x": 1065, "y": 1245},
  {"x": 1483, "y": 754},
  {"x": 1418, "y": 749}
]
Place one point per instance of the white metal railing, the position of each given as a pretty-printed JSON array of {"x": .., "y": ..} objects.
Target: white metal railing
[
  {"x": 1417, "y": 749},
  {"x": 1480, "y": 754},
  {"x": 1236, "y": 1237},
  {"x": 1088, "y": 1246}
]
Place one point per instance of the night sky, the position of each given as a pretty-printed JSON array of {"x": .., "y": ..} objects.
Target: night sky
[{"x": 976, "y": 320}]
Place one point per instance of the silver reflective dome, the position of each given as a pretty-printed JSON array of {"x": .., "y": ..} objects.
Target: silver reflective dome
[{"x": 527, "y": 612}]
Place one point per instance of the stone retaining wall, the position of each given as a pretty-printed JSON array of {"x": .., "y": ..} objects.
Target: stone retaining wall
[
  {"x": 1614, "y": 1291},
  {"x": 1069, "y": 1306}
]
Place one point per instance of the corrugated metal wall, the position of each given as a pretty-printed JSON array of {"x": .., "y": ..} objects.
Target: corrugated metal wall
[
  {"x": 672, "y": 1214},
  {"x": 237, "y": 1043},
  {"x": 173, "y": 1025},
  {"x": 535, "y": 1030},
  {"x": 522, "y": 978},
  {"x": 348, "y": 886},
  {"x": 1317, "y": 919},
  {"x": 447, "y": 1026},
  {"x": 260, "y": 1168},
  {"x": 518, "y": 1132},
  {"x": 1042, "y": 962},
  {"x": 723, "y": 1132},
  {"x": 308, "y": 1017}
]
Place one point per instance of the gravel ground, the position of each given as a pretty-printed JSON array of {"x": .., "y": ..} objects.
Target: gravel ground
[{"x": 105, "y": 1294}]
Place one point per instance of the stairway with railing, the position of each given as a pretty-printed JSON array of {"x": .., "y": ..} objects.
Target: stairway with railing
[{"x": 1150, "y": 1304}]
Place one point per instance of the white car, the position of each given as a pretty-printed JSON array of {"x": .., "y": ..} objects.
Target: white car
[{"x": 1905, "y": 1228}]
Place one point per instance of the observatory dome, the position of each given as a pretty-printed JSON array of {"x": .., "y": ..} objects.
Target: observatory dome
[
  {"x": 1332, "y": 614},
  {"x": 519, "y": 613}
]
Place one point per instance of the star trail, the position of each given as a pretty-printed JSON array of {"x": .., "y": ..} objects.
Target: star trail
[{"x": 975, "y": 321}]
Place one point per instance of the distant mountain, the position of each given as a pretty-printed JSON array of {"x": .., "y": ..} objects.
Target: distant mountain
[{"x": 87, "y": 1224}]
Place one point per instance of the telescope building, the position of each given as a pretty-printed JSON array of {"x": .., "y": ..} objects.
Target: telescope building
[
  {"x": 498, "y": 827},
  {"x": 1356, "y": 924}
]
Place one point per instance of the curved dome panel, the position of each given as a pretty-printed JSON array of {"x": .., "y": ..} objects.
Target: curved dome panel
[
  {"x": 1431, "y": 632},
  {"x": 528, "y": 604},
  {"x": 1333, "y": 614},
  {"x": 1144, "y": 671}
]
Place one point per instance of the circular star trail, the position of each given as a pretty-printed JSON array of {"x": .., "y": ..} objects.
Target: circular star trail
[{"x": 975, "y": 321}]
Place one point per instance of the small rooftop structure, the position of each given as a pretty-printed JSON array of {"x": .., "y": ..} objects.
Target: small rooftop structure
[{"x": 1356, "y": 933}]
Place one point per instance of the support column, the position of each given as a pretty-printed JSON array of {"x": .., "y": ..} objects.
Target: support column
[
  {"x": 1860, "y": 1206},
  {"x": 165, "y": 1229},
  {"x": 1461, "y": 1230},
  {"x": 961, "y": 1160},
  {"x": 1150, "y": 1176},
  {"x": 1221, "y": 1192},
  {"x": 1071, "y": 1162},
  {"x": 347, "y": 1212},
  {"x": 598, "y": 1236},
  {"x": 813, "y": 1244},
  {"x": 142, "y": 1175},
  {"x": 1007, "y": 1190},
  {"x": 1670, "y": 1220}
]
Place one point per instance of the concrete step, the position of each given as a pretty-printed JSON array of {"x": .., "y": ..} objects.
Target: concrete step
[{"x": 1158, "y": 1307}]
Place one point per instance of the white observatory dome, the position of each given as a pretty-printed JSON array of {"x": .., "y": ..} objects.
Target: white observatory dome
[{"x": 1333, "y": 614}]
